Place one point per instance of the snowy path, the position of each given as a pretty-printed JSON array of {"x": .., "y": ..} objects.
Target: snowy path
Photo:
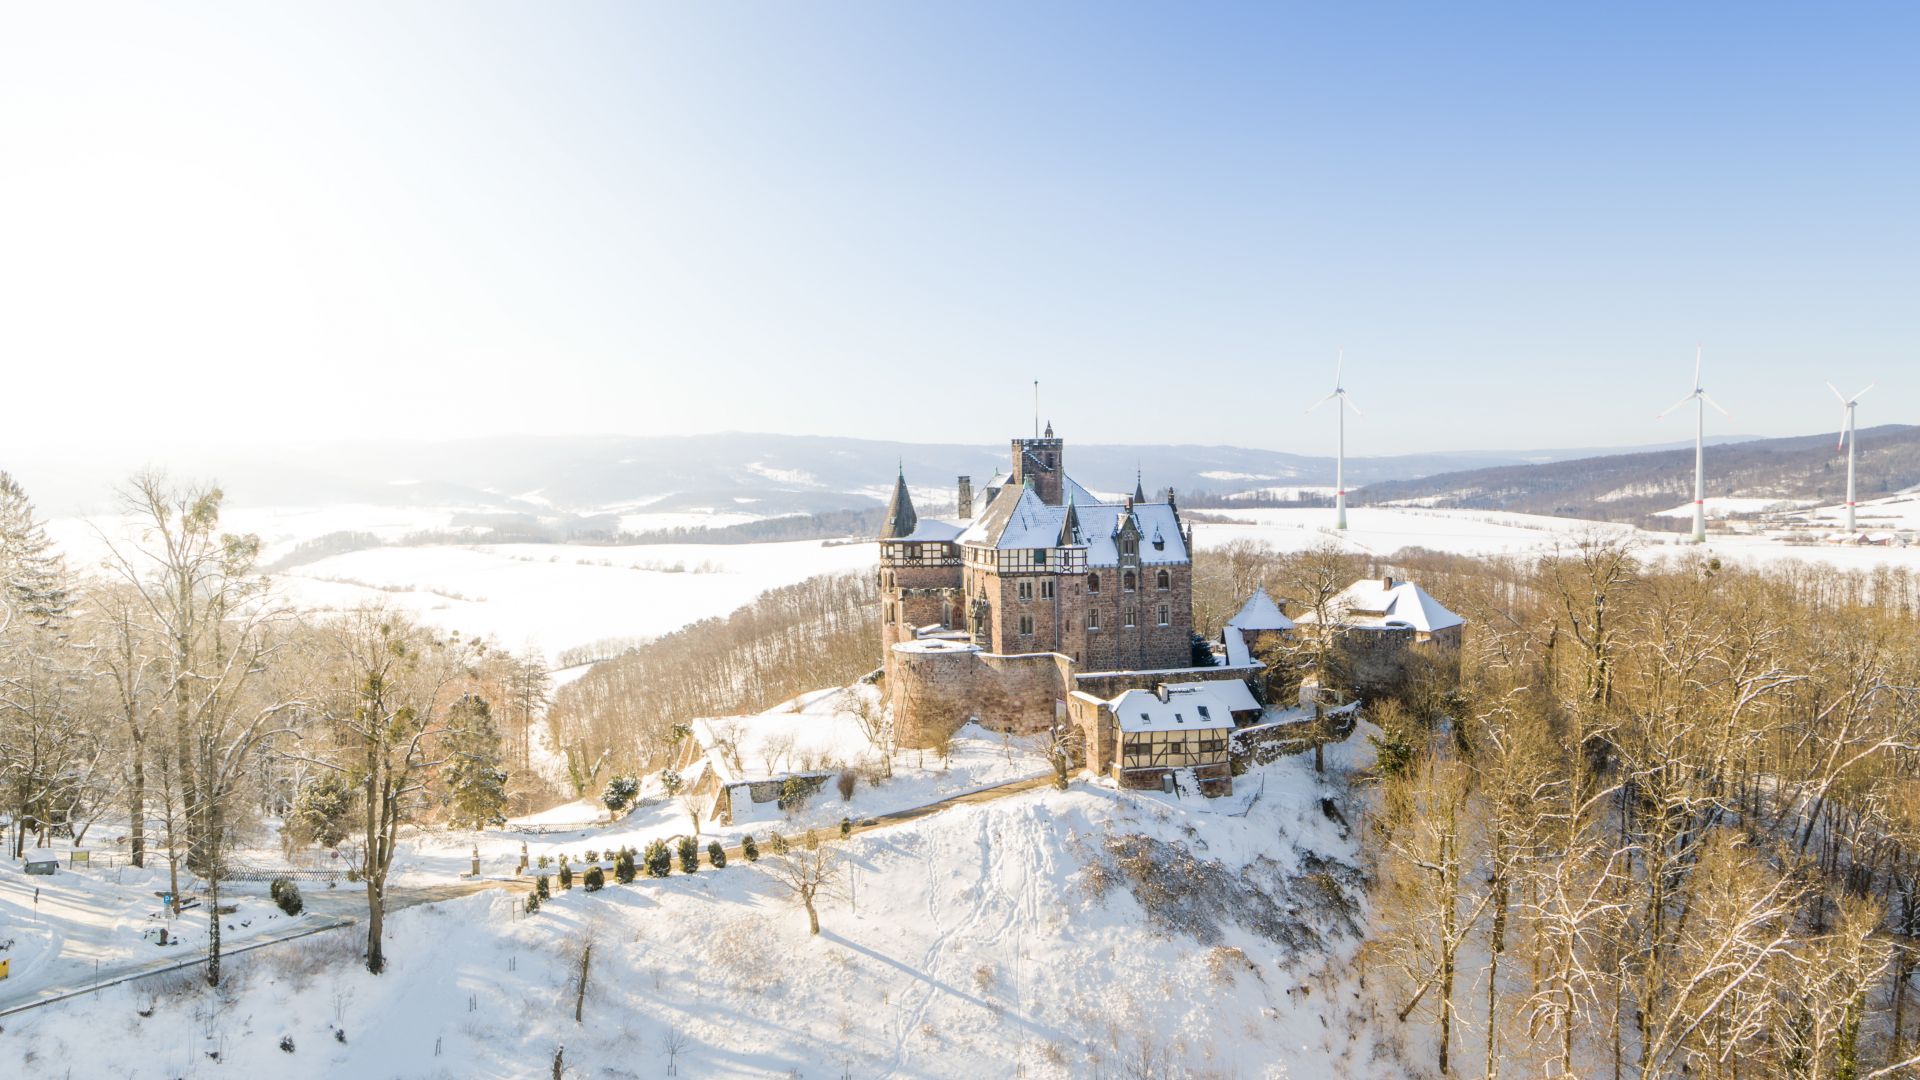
[{"x": 326, "y": 910}]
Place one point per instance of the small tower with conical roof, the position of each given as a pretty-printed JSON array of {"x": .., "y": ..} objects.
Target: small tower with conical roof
[{"x": 901, "y": 520}]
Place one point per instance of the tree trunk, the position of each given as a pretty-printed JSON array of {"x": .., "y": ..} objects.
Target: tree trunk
[
  {"x": 137, "y": 807},
  {"x": 813, "y": 917},
  {"x": 213, "y": 930}
]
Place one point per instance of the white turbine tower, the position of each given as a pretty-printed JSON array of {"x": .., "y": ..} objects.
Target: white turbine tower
[
  {"x": 1340, "y": 459},
  {"x": 1701, "y": 401},
  {"x": 1846, "y": 439}
]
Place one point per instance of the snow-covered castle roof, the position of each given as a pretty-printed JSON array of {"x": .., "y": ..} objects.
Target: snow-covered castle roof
[
  {"x": 1384, "y": 604},
  {"x": 1019, "y": 518}
]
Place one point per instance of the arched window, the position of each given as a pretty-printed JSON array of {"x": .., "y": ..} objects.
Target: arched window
[
  {"x": 1127, "y": 583},
  {"x": 1093, "y": 582},
  {"x": 1163, "y": 581}
]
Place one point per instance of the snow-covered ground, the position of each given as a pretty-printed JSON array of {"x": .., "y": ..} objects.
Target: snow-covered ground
[
  {"x": 560, "y": 595},
  {"x": 60, "y": 929},
  {"x": 1723, "y": 506},
  {"x": 1381, "y": 531},
  {"x": 1385, "y": 530},
  {"x": 554, "y": 596},
  {"x": 814, "y": 731},
  {"x": 1047, "y": 934}
]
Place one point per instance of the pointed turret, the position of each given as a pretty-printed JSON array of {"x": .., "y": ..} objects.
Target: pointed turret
[
  {"x": 901, "y": 520},
  {"x": 1070, "y": 525},
  {"x": 1139, "y": 492}
]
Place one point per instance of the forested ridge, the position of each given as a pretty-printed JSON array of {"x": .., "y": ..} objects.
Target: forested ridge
[
  {"x": 1629, "y": 487},
  {"x": 822, "y": 632}
]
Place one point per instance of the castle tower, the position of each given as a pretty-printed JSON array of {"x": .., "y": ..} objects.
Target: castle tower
[
  {"x": 901, "y": 519},
  {"x": 1041, "y": 461}
]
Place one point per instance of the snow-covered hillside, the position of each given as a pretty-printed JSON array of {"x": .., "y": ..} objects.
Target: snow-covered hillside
[{"x": 1091, "y": 932}]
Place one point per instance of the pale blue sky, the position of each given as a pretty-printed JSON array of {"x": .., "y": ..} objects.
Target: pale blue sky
[{"x": 884, "y": 219}]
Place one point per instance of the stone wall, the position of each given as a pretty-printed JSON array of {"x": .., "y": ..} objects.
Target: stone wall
[
  {"x": 1379, "y": 662},
  {"x": 934, "y": 692},
  {"x": 1264, "y": 743},
  {"x": 1146, "y": 644},
  {"x": 1111, "y": 684}
]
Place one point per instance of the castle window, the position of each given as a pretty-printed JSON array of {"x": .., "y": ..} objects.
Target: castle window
[
  {"x": 1127, "y": 617},
  {"x": 1040, "y": 557},
  {"x": 1163, "y": 581},
  {"x": 1127, "y": 582},
  {"x": 1026, "y": 625},
  {"x": 1163, "y": 615},
  {"x": 1046, "y": 589},
  {"x": 1093, "y": 582},
  {"x": 1093, "y": 620},
  {"x": 1025, "y": 590}
]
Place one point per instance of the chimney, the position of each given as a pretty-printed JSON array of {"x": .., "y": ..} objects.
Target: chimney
[
  {"x": 966, "y": 497},
  {"x": 1386, "y": 582}
]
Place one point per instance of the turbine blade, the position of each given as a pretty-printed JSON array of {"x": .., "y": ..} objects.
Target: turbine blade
[
  {"x": 1863, "y": 392},
  {"x": 1351, "y": 405},
  {"x": 1696, "y": 366},
  {"x": 1840, "y": 440},
  {"x": 1338, "y": 367},
  {"x": 1715, "y": 404},
  {"x": 1837, "y": 393},
  {"x": 1675, "y": 405},
  {"x": 1323, "y": 401}
]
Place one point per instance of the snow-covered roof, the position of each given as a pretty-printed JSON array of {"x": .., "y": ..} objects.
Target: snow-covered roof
[
  {"x": 43, "y": 855},
  {"x": 1018, "y": 518},
  {"x": 1232, "y": 693},
  {"x": 1194, "y": 706},
  {"x": 1383, "y": 603},
  {"x": 928, "y": 531},
  {"x": 1261, "y": 613},
  {"x": 936, "y": 645},
  {"x": 1238, "y": 655}
]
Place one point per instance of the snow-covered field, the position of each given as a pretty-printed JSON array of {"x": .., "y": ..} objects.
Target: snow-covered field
[
  {"x": 1382, "y": 531},
  {"x": 1048, "y": 934},
  {"x": 560, "y": 595}
]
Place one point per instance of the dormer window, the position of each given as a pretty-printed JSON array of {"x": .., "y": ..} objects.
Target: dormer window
[
  {"x": 1040, "y": 557},
  {"x": 1159, "y": 542}
]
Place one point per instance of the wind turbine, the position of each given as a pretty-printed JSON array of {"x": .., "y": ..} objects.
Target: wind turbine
[
  {"x": 1701, "y": 401},
  {"x": 1846, "y": 439},
  {"x": 1340, "y": 460}
]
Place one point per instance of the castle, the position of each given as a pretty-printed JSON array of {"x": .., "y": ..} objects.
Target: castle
[{"x": 1045, "y": 607}]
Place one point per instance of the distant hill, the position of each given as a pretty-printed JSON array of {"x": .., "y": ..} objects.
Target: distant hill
[
  {"x": 754, "y": 473},
  {"x": 1629, "y": 487}
]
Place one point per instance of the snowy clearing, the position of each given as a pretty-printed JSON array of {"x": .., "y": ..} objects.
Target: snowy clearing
[{"x": 1035, "y": 933}]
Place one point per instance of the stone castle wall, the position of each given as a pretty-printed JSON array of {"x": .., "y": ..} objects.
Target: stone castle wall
[
  {"x": 1146, "y": 644},
  {"x": 935, "y": 691},
  {"x": 1380, "y": 662}
]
